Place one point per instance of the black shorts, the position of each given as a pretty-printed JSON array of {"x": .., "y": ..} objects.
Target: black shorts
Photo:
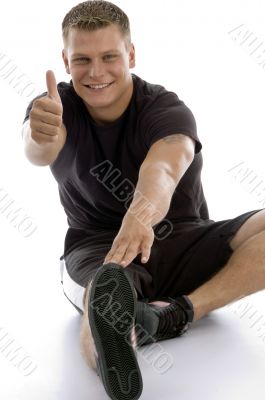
[{"x": 178, "y": 264}]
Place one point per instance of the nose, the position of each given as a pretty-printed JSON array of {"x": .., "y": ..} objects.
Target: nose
[{"x": 96, "y": 70}]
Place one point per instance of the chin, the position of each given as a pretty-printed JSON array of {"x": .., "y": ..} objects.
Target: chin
[{"x": 97, "y": 102}]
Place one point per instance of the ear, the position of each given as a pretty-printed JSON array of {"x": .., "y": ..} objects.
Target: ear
[
  {"x": 65, "y": 60},
  {"x": 132, "y": 57}
]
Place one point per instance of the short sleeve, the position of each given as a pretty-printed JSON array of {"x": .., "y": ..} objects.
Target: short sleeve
[{"x": 168, "y": 115}]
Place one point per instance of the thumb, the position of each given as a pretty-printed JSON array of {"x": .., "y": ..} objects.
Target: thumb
[{"x": 52, "y": 86}]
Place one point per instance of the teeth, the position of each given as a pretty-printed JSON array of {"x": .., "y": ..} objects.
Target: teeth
[{"x": 99, "y": 86}]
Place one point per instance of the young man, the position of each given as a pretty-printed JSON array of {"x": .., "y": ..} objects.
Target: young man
[{"x": 142, "y": 260}]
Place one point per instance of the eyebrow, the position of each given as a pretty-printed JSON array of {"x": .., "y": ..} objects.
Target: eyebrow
[{"x": 104, "y": 52}]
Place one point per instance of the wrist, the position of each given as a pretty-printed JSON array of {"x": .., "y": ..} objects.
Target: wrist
[{"x": 144, "y": 212}]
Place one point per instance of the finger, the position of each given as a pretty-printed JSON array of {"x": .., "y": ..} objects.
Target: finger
[
  {"x": 130, "y": 255},
  {"x": 44, "y": 128},
  {"x": 118, "y": 246},
  {"x": 146, "y": 251},
  {"x": 110, "y": 252},
  {"x": 42, "y": 138},
  {"x": 52, "y": 109},
  {"x": 116, "y": 254},
  {"x": 52, "y": 86}
]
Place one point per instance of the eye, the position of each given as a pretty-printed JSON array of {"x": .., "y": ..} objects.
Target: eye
[
  {"x": 110, "y": 56},
  {"x": 81, "y": 59}
]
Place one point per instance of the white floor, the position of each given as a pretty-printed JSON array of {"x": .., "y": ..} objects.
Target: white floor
[{"x": 222, "y": 357}]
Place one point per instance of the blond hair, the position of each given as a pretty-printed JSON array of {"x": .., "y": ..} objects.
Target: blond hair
[{"x": 92, "y": 15}]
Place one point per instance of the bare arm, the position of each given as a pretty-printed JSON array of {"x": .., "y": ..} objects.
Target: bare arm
[{"x": 165, "y": 164}]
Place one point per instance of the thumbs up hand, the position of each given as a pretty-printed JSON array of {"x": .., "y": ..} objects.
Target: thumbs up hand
[{"x": 46, "y": 114}]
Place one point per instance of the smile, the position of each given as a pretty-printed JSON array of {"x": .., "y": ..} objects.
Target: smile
[{"x": 99, "y": 87}]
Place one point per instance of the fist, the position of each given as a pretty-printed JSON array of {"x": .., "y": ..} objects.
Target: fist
[{"x": 46, "y": 114}]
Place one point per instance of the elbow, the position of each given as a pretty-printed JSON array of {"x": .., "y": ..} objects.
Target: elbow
[{"x": 189, "y": 156}]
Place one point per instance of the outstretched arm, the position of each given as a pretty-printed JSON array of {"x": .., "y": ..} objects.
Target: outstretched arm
[{"x": 165, "y": 164}]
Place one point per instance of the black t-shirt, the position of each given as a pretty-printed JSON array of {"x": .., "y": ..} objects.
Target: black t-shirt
[{"x": 97, "y": 169}]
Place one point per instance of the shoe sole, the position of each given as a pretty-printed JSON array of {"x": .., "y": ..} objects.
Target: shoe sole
[{"x": 111, "y": 313}]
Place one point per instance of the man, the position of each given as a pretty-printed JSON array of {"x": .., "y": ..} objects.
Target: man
[{"x": 142, "y": 260}]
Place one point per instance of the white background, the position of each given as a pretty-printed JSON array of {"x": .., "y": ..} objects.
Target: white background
[{"x": 184, "y": 46}]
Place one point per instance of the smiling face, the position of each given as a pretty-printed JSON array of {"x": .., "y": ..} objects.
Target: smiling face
[{"x": 100, "y": 58}]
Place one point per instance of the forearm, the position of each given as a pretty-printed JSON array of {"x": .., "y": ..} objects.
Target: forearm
[
  {"x": 157, "y": 182},
  {"x": 152, "y": 196},
  {"x": 154, "y": 191}
]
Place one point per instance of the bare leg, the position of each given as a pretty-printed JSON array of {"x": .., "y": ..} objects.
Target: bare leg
[{"x": 243, "y": 275}]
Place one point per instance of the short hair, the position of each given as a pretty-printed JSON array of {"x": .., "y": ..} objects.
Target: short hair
[{"x": 96, "y": 14}]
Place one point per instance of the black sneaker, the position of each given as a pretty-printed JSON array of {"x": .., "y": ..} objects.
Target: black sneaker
[
  {"x": 111, "y": 313},
  {"x": 155, "y": 323}
]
